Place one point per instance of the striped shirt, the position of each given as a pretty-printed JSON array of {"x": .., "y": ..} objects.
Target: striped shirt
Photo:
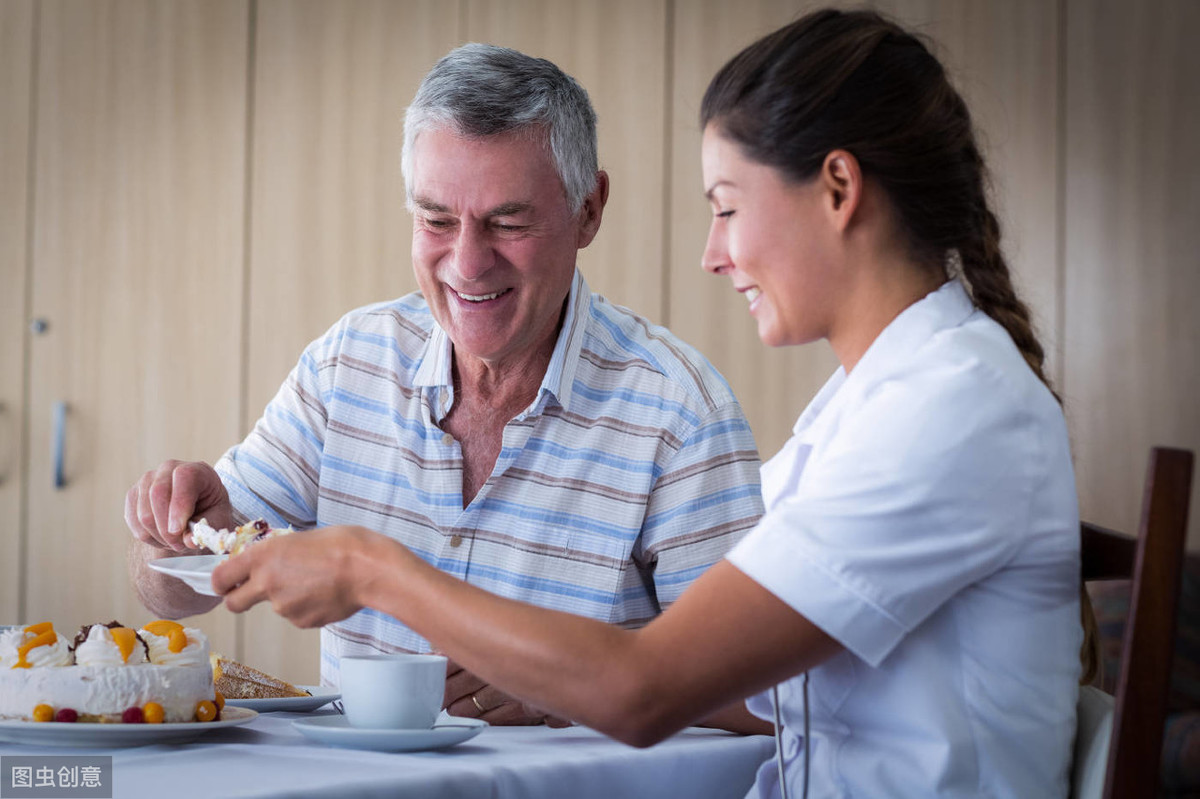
[{"x": 632, "y": 471}]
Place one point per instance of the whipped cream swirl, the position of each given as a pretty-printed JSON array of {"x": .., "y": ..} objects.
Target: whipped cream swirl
[
  {"x": 100, "y": 649},
  {"x": 55, "y": 654},
  {"x": 194, "y": 653}
]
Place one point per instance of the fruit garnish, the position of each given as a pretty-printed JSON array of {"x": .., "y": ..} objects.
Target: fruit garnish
[
  {"x": 171, "y": 630},
  {"x": 220, "y": 700},
  {"x": 40, "y": 627},
  {"x": 132, "y": 715},
  {"x": 152, "y": 713},
  {"x": 46, "y": 638},
  {"x": 206, "y": 711},
  {"x": 67, "y": 715},
  {"x": 125, "y": 639},
  {"x": 43, "y": 713},
  {"x": 162, "y": 626}
]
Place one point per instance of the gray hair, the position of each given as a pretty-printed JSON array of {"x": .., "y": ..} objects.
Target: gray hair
[{"x": 481, "y": 90}]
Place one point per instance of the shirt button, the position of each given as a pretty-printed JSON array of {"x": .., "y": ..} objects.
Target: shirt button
[
  {"x": 455, "y": 541},
  {"x": 447, "y": 439}
]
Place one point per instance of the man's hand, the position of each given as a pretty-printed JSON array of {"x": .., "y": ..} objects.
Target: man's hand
[
  {"x": 159, "y": 506},
  {"x": 467, "y": 695}
]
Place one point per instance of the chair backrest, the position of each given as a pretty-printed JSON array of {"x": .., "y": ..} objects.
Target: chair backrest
[{"x": 1152, "y": 562}]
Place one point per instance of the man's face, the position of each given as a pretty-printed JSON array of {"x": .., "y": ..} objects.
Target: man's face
[{"x": 494, "y": 242}]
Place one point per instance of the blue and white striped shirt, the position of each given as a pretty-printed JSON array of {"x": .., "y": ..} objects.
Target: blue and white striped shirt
[{"x": 632, "y": 471}]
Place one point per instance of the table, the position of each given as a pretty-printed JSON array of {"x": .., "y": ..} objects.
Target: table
[{"x": 268, "y": 757}]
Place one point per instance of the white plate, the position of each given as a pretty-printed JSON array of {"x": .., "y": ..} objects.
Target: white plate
[
  {"x": 296, "y": 704},
  {"x": 54, "y": 733},
  {"x": 195, "y": 570},
  {"x": 336, "y": 731}
]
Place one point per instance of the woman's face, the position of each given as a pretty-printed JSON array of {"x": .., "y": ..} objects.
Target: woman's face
[{"x": 771, "y": 238}]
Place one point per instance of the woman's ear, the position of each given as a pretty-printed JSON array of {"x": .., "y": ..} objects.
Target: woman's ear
[{"x": 842, "y": 181}]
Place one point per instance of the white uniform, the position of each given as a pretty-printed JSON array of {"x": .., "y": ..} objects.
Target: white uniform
[{"x": 924, "y": 514}]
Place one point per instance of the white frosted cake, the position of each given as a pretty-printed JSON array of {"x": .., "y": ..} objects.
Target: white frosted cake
[
  {"x": 232, "y": 542},
  {"x": 112, "y": 674}
]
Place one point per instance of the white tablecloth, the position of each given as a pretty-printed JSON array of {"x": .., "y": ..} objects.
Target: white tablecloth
[{"x": 268, "y": 757}]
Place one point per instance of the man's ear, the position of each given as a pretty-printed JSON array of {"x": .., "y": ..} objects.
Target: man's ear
[
  {"x": 842, "y": 180},
  {"x": 592, "y": 210}
]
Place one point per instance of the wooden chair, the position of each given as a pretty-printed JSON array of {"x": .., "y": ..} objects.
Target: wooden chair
[{"x": 1153, "y": 563}]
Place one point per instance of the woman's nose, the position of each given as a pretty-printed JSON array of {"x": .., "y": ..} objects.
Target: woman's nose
[{"x": 715, "y": 258}]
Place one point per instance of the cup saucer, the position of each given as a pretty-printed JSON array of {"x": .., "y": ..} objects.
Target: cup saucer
[{"x": 336, "y": 731}]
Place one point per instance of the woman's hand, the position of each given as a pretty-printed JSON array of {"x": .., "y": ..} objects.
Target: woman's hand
[{"x": 311, "y": 578}]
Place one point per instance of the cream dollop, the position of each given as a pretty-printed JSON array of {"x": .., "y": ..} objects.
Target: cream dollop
[
  {"x": 56, "y": 654},
  {"x": 194, "y": 653},
  {"x": 101, "y": 650},
  {"x": 9, "y": 641}
]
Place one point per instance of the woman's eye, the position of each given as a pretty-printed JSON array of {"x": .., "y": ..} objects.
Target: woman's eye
[{"x": 724, "y": 214}]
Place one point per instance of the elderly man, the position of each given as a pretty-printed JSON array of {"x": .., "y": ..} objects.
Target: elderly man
[{"x": 510, "y": 426}]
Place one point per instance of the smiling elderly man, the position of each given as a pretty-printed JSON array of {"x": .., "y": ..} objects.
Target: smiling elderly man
[{"x": 505, "y": 423}]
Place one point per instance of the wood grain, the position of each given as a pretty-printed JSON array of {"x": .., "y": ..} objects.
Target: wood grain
[
  {"x": 16, "y": 74},
  {"x": 1132, "y": 332},
  {"x": 137, "y": 265}
]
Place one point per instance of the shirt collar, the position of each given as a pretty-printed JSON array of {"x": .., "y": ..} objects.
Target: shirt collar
[
  {"x": 943, "y": 308},
  {"x": 434, "y": 370}
]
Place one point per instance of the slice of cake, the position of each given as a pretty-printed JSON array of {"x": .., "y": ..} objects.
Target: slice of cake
[
  {"x": 232, "y": 542},
  {"x": 238, "y": 681}
]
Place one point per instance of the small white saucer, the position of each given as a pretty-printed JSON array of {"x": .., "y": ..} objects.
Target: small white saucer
[{"x": 336, "y": 731}]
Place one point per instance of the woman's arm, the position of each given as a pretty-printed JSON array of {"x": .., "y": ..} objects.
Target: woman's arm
[{"x": 724, "y": 639}]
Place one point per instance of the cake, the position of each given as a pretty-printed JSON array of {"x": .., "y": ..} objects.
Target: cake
[
  {"x": 111, "y": 673},
  {"x": 232, "y": 542},
  {"x": 239, "y": 681}
]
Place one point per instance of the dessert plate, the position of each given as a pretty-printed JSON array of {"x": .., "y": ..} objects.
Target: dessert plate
[
  {"x": 296, "y": 704},
  {"x": 107, "y": 736},
  {"x": 195, "y": 570},
  {"x": 336, "y": 731}
]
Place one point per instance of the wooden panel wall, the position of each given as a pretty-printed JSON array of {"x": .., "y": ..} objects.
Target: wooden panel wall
[
  {"x": 1132, "y": 266},
  {"x": 16, "y": 74},
  {"x": 137, "y": 266}
]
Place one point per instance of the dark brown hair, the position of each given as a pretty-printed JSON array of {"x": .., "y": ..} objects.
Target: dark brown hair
[{"x": 856, "y": 81}]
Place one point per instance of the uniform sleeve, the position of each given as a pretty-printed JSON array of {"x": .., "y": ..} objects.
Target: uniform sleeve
[
  {"x": 274, "y": 472},
  {"x": 706, "y": 500},
  {"x": 923, "y": 491}
]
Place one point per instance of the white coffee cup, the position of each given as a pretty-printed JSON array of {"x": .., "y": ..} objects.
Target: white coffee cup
[{"x": 392, "y": 691}]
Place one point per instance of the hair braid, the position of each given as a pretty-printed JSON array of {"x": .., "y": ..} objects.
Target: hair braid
[{"x": 990, "y": 282}]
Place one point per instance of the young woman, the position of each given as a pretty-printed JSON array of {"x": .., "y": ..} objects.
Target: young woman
[{"x": 913, "y": 589}]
